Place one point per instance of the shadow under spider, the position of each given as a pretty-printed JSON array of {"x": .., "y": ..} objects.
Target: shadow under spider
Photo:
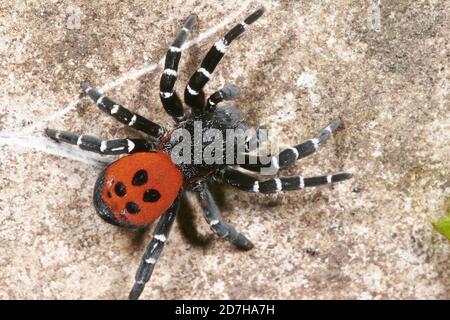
[
  {"x": 189, "y": 231},
  {"x": 185, "y": 219}
]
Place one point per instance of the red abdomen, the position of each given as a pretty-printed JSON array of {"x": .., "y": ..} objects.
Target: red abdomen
[{"x": 135, "y": 190}]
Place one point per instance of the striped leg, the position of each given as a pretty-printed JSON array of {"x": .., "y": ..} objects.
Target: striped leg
[
  {"x": 170, "y": 100},
  {"x": 122, "y": 114},
  {"x": 212, "y": 216},
  {"x": 153, "y": 250},
  {"x": 292, "y": 154},
  {"x": 193, "y": 94},
  {"x": 248, "y": 183},
  {"x": 228, "y": 92},
  {"x": 90, "y": 143}
]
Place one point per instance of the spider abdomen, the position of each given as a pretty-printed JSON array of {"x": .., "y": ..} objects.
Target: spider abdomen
[{"x": 135, "y": 190}]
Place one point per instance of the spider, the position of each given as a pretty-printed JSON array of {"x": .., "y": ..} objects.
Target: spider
[{"x": 147, "y": 184}]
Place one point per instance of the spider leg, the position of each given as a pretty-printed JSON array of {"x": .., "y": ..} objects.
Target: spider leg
[
  {"x": 193, "y": 94},
  {"x": 94, "y": 144},
  {"x": 249, "y": 183},
  {"x": 288, "y": 156},
  {"x": 228, "y": 92},
  {"x": 169, "y": 98},
  {"x": 153, "y": 250},
  {"x": 122, "y": 114},
  {"x": 213, "y": 217}
]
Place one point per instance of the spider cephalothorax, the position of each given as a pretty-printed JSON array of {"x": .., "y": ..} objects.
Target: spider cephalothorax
[{"x": 147, "y": 183}]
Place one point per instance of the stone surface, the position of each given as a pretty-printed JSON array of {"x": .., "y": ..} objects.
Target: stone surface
[{"x": 384, "y": 69}]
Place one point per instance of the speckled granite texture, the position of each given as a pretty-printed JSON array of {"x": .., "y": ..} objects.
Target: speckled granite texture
[{"x": 383, "y": 66}]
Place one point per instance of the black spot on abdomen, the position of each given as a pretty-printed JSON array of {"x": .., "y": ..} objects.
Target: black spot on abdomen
[
  {"x": 140, "y": 178},
  {"x": 151, "y": 195},
  {"x": 120, "y": 189},
  {"x": 132, "y": 207}
]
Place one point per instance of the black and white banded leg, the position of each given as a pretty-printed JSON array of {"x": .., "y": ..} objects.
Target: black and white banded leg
[
  {"x": 169, "y": 98},
  {"x": 228, "y": 92},
  {"x": 153, "y": 250},
  {"x": 94, "y": 144},
  {"x": 213, "y": 217},
  {"x": 249, "y": 183},
  {"x": 122, "y": 114},
  {"x": 193, "y": 94},
  {"x": 290, "y": 155}
]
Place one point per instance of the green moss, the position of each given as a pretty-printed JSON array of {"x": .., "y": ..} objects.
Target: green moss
[{"x": 443, "y": 225}]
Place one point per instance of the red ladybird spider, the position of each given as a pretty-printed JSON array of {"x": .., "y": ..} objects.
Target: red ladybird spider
[{"x": 135, "y": 190}]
